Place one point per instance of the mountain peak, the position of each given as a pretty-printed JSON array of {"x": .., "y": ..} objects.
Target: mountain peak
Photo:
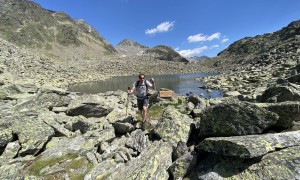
[{"x": 129, "y": 47}]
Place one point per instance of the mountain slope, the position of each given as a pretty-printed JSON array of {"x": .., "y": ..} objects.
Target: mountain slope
[
  {"x": 26, "y": 24},
  {"x": 261, "y": 50}
]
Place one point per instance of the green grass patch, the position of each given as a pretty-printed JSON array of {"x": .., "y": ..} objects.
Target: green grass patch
[
  {"x": 71, "y": 164},
  {"x": 38, "y": 165}
]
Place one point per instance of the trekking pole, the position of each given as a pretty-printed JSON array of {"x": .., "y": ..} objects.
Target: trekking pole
[{"x": 127, "y": 101}]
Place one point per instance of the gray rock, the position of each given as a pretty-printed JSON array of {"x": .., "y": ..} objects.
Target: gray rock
[
  {"x": 5, "y": 136},
  {"x": 89, "y": 110},
  {"x": 295, "y": 78},
  {"x": 59, "y": 147},
  {"x": 123, "y": 128},
  {"x": 102, "y": 170},
  {"x": 180, "y": 150},
  {"x": 11, "y": 150},
  {"x": 137, "y": 140},
  {"x": 288, "y": 112},
  {"x": 196, "y": 100},
  {"x": 33, "y": 134},
  {"x": 12, "y": 171},
  {"x": 250, "y": 146},
  {"x": 235, "y": 118},
  {"x": 50, "y": 119},
  {"x": 281, "y": 94},
  {"x": 152, "y": 163},
  {"x": 183, "y": 165},
  {"x": 281, "y": 164},
  {"x": 173, "y": 126}
]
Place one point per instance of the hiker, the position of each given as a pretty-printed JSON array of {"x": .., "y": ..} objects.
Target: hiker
[{"x": 141, "y": 87}]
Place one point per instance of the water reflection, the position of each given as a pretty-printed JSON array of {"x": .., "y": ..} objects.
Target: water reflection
[{"x": 182, "y": 84}]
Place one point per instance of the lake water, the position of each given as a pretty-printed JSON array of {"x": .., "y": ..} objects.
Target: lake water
[{"x": 181, "y": 84}]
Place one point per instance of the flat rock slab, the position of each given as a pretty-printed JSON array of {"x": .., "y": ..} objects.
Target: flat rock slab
[{"x": 250, "y": 146}]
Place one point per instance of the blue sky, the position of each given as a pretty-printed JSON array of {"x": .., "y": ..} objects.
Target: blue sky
[{"x": 191, "y": 27}]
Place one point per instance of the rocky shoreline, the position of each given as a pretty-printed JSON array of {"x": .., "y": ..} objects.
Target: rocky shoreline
[{"x": 53, "y": 133}]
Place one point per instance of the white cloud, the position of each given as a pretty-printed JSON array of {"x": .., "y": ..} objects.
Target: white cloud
[
  {"x": 225, "y": 40},
  {"x": 202, "y": 37},
  {"x": 214, "y": 46},
  {"x": 191, "y": 52},
  {"x": 162, "y": 27}
]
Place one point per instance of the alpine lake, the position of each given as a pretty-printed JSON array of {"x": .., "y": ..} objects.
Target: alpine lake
[{"x": 181, "y": 84}]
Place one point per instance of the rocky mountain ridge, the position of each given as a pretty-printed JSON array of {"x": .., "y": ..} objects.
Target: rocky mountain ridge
[
  {"x": 261, "y": 50},
  {"x": 130, "y": 48},
  {"x": 27, "y": 24}
]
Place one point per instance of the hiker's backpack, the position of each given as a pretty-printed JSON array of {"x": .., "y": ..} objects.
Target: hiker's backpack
[{"x": 137, "y": 84}]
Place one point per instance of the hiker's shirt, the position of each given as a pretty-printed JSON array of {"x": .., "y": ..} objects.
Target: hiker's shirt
[{"x": 141, "y": 89}]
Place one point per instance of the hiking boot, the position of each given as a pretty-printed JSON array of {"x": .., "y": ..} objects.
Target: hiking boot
[{"x": 143, "y": 126}]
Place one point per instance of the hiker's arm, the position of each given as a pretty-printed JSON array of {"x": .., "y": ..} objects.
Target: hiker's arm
[
  {"x": 153, "y": 83},
  {"x": 130, "y": 91}
]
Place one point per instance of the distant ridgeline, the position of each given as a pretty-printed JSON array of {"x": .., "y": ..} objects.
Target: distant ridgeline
[{"x": 261, "y": 50}]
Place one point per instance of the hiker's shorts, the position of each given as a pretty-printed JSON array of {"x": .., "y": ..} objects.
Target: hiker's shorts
[{"x": 142, "y": 102}]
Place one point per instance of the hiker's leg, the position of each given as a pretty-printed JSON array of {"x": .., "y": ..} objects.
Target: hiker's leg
[
  {"x": 145, "y": 108},
  {"x": 144, "y": 113}
]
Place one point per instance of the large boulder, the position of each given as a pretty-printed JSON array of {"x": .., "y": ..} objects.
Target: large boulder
[
  {"x": 62, "y": 146},
  {"x": 137, "y": 141},
  {"x": 235, "y": 118},
  {"x": 250, "y": 146},
  {"x": 183, "y": 165},
  {"x": 173, "y": 126},
  {"x": 152, "y": 163},
  {"x": 90, "y": 106},
  {"x": 294, "y": 78},
  {"x": 50, "y": 119},
  {"x": 288, "y": 112},
  {"x": 32, "y": 134},
  {"x": 281, "y": 94},
  {"x": 282, "y": 164}
]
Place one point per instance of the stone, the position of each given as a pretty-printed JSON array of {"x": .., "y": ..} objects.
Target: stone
[
  {"x": 235, "y": 118},
  {"x": 173, "y": 126},
  {"x": 250, "y": 146}
]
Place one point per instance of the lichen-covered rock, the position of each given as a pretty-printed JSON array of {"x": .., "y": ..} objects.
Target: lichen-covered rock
[
  {"x": 119, "y": 114},
  {"x": 89, "y": 110},
  {"x": 90, "y": 106},
  {"x": 122, "y": 128},
  {"x": 197, "y": 101},
  {"x": 59, "y": 147},
  {"x": 288, "y": 112},
  {"x": 283, "y": 164},
  {"x": 281, "y": 94},
  {"x": 137, "y": 140},
  {"x": 11, "y": 150},
  {"x": 235, "y": 118},
  {"x": 179, "y": 150},
  {"x": 102, "y": 135},
  {"x": 102, "y": 170},
  {"x": 11, "y": 171},
  {"x": 50, "y": 119},
  {"x": 32, "y": 134},
  {"x": 173, "y": 126},
  {"x": 152, "y": 163},
  {"x": 5, "y": 137},
  {"x": 250, "y": 146},
  {"x": 183, "y": 165}
]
